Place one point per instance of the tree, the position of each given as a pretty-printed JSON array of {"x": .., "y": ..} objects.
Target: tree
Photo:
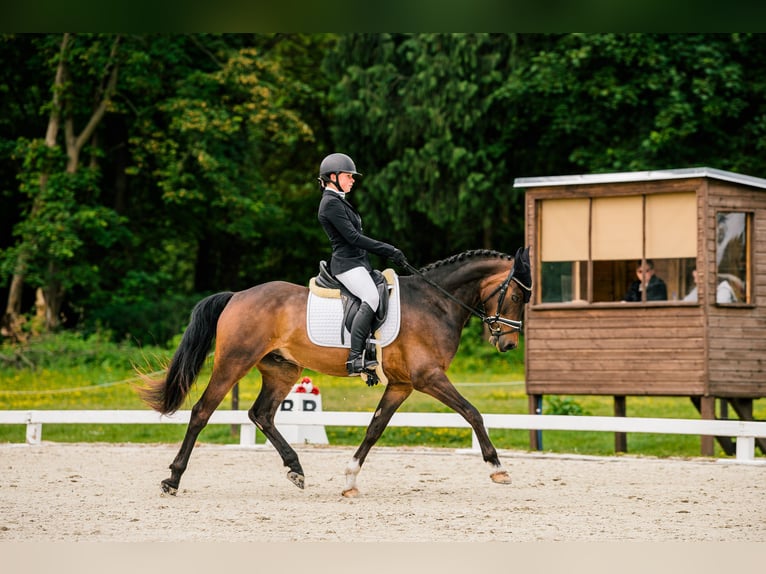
[
  {"x": 180, "y": 164},
  {"x": 51, "y": 179},
  {"x": 420, "y": 113},
  {"x": 623, "y": 102},
  {"x": 196, "y": 169},
  {"x": 443, "y": 123},
  {"x": 226, "y": 152}
]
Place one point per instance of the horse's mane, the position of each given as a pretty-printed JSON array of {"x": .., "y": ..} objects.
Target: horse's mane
[
  {"x": 521, "y": 269},
  {"x": 460, "y": 257}
]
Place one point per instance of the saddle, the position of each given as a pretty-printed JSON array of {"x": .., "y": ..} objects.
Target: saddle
[
  {"x": 326, "y": 292},
  {"x": 351, "y": 303}
]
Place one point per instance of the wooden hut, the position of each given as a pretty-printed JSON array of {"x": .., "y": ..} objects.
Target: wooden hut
[{"x": 591, "y": 236}]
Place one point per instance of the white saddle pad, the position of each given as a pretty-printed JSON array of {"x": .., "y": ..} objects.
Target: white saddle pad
[{"x": 324, "y": 316}]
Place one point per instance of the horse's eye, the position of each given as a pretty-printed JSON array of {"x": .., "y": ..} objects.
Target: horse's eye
[{"x": 515, "y": 298}]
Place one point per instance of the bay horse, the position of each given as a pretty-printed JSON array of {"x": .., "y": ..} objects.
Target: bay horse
[{"x": 265, "y": 327}]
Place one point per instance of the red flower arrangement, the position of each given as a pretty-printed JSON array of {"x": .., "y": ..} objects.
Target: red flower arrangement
[{"x": 305, "y": 386}]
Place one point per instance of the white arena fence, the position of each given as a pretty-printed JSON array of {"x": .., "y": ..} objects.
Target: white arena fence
[{"x": 745, "y": 432}]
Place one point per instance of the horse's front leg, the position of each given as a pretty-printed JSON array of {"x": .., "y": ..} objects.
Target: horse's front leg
[
  {"x": 278, "y": 378},
  {"x": 437, "y": 384},
  {"x": 394, "y": 395}
]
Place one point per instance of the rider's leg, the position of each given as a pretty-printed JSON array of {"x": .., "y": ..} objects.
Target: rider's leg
[{"x": 360, "y": 283}]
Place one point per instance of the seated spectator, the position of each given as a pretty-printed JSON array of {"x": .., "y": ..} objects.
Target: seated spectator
[
  {"x": 691, "y": 296},
  {"x": 655, "y": 287},
  {"x": 724, "y": 293}
]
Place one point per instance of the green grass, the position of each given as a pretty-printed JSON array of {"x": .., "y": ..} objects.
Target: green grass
[{"x": 67, "y": 372}]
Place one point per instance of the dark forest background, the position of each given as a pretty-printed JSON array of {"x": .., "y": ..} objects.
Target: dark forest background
[{"x": 141, "y": 172}]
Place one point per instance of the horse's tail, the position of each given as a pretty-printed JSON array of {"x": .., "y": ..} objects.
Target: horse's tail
[{"x": 167, "y": 395}]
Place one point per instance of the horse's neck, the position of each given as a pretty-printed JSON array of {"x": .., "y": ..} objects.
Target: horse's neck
[{"x": 464, "y": 281}]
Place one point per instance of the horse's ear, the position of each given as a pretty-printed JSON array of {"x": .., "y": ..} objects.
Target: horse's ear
[
  {"x": 521, "y": 259},
  {"x": 522, "y": 271}
]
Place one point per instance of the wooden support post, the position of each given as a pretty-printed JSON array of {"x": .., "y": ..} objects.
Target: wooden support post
[
  {"x": 727, "y": 444},
  {"x": 707, "y": 411},
  {"x": 620, "y": 410},
  {"x": 535, "y": 408},
  {"x": 723, "y": 409}
]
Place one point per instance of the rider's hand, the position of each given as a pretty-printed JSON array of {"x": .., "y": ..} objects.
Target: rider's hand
[{"x": 398, "y": 258}]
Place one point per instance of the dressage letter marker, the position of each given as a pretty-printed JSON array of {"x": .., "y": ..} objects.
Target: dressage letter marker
[{"x": 304, "y": 397}]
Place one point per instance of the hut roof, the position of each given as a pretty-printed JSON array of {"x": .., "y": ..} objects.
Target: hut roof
[{"x": 631, "y": 176}]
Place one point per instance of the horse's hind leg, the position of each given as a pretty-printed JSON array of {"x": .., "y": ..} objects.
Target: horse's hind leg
[
  {"x": 438, "y": 385},
  {"x": 394, "y": 395},
  {"x": 221, "y": 382},
  {"x": 278, "y": 375}
]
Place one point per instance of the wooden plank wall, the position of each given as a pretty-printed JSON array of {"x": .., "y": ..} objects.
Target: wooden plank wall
[
  {"x": 737, "y": 336},
  {"x": 616, "y": 351}
]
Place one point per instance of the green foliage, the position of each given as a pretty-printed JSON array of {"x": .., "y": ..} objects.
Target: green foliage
[
  {"x": 200, "y": 176},
  {"x": 222, "y": 147},
  {"x": 556, "y": 405},
  {"x": 421, "y": 117},
  {"x": 476, "y": 356},
  {"x": 63, "y": 223},
  {"x": 142, "y": 321},
  {"x": 620, "y": 102},
  {"x": 68, "y": 350}
]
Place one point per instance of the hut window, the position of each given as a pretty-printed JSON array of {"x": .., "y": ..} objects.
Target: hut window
[
  {"x": 733, "y": 231},
  {"x": 590, "y": 248},
  {"x": 565, "y": 246}
]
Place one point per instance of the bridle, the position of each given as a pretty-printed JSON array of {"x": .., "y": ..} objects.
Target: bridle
[{"x": 491, "y": 321}]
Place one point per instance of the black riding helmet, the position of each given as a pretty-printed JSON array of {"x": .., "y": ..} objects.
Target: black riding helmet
[{"x": 333, "y": 164}]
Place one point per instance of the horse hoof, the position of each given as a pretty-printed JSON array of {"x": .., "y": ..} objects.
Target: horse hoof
[
  {"x": 501, "y": 477},
  {"x": 168, "y": 488},
  {"x": 350, "y": 493},
  {"x": 297, "y": 479}
]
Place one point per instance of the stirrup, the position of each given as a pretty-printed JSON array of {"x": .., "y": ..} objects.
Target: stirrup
[{"x": 359, "y": 365}]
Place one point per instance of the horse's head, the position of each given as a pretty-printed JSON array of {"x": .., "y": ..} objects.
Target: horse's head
[{"x": 508, "y": 293}]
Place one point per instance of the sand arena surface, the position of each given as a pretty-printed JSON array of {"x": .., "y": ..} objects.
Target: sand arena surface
[{"x": 85, "y": 492}]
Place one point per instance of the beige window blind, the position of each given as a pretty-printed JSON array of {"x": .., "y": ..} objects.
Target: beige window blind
[
  {"x": 617, "y": 228},
  {"x": 671, "y": 225},
  {"x": 565, "y": 229}
]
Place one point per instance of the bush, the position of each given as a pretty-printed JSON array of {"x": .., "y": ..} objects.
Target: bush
[
  {"x": 476, "y": 355},
  {"x": 563, "y": 406},
  {"x": 68, "y": 349},
  {"x": 145, "y": 322}
]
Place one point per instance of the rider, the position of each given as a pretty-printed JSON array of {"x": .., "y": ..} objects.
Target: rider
[{"x": 350, "y": 263}]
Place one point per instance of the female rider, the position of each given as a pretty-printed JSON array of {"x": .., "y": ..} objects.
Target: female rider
[{"x": 350, "y": 247}]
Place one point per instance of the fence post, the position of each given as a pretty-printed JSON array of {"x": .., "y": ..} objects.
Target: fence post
[
  {"x": 246, "y": 434},
  {"x": 34, "y": 433},
  {"x": 745, "y": 448}
]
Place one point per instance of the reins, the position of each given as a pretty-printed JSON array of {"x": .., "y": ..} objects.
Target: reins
[{"x": 490, "y": 321}]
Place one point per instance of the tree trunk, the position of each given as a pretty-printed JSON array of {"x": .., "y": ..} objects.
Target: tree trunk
[
  {"x": 53, "y": 298},
  {"x": 12, "y": 319}
]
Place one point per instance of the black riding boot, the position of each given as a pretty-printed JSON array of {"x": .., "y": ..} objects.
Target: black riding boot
[{"x": 360, "y": 330}]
